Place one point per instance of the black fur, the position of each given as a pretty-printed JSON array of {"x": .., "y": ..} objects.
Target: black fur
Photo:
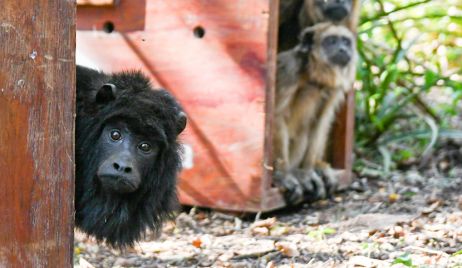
[{"x": 120, "y": 220}]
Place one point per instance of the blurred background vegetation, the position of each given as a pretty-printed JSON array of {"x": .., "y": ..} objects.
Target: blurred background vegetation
[{"x": 410, "y": 82}]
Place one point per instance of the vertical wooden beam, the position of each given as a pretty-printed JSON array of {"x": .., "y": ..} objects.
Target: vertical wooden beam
[
  {"x": 343, "y": 139},
  {"x": 37, "y": 94},
  {"x": 271, "y": 196}
]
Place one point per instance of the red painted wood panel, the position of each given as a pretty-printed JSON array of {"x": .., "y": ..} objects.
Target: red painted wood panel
[
  {"x": 224, "y": 80},
  {"x": 37, "y": 82},
  {"x": 125, "y": 15}
]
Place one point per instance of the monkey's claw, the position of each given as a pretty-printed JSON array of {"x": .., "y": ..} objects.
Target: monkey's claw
[
  {"x": 290, "y": 187},
  {"x": 330, "y": 177},
  {"x": 301, "y": 185}
]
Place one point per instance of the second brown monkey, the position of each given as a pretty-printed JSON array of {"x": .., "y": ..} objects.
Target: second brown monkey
[
  {"x": 312, "y": 79},
  {"x": 295, "y": 15}
]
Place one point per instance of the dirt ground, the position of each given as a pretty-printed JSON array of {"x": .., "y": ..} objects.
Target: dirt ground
[{"x": 411, "y": 219}]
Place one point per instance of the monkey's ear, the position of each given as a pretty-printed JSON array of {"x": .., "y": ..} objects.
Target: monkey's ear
[
  {"x": 181, "y": 123},
  {"x": 106, "y": 94},
  {"x": 306, "y": 39}
]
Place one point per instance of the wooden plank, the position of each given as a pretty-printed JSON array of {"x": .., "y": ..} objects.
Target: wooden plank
[
  {"x": 271, "y": 197},
  {"x": 343, "y": 139},
  {"x": 37, "y": 82}
]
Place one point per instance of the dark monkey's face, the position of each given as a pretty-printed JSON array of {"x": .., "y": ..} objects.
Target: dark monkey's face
[
  {"x": 333, "y": 45},
  {"x": 334, "y": 10},
  {"x": 126, "y": 158},
  {"x": 338, "y": 49}
]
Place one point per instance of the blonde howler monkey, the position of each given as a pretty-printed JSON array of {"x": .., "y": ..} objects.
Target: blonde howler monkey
[
  {"x": 295, "y": 15},
  {"x": 312, "y": 79}
]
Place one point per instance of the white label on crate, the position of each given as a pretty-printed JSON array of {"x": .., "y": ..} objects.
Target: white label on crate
[{"x": 187, "y": 158}]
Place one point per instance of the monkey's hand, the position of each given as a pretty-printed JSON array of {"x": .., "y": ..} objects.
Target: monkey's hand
[
  {"x": 290, "y": 187},
  {"x": 300, "y": 185},
  {"x": 309, "y": 185},
  {"x": 314, "y": 185},
  {"x": 330, "y": 177}
]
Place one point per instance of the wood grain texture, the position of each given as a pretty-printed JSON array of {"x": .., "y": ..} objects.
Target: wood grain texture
[
  {"x": 96, "y": 2},
  {"x": 271, "y": 197},
  {"x": 37, "y": 82},
  {"x": 343, "y": 139}
]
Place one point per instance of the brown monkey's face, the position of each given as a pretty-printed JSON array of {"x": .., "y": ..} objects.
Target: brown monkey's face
[
  {"x": 337, "y": 49},
  {"x": 334, "y": 10},
  {"x": 337, "y": 46}
]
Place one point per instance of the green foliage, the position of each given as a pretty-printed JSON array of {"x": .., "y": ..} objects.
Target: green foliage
[
  {"x": 321, "y": 233},
  {"x": 410, "y": 77},
  {"x": 404, "y": 260}
]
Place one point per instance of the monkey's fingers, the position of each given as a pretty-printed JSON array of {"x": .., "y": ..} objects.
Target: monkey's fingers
[
  {"x": 330, "y": 177},
  {"x": 312, "y": 184},
  {"x": 290, "y": 187}
]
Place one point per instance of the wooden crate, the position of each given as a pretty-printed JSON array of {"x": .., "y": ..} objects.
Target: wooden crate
[{"x": 218, "y": 58}]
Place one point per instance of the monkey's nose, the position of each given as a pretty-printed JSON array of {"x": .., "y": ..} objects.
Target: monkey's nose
[{"x": 122, "y": 167}]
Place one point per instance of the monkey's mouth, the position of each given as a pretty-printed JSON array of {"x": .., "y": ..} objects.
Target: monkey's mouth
[
  {"x": 336, "y": 13},
  {"x": 341, "y": 59},
  {"x": 117, "y": 184}
]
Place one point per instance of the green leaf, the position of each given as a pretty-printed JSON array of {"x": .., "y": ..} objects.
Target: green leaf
[
  {"x": 321, "y": 233},
  {"x": 405, "y": 154},
  {"x": 404, "y": 259},
  {"x": 430, "y": 79},
  {"x": 389, "y": 76},
  {"x": 328, "y": 231}
]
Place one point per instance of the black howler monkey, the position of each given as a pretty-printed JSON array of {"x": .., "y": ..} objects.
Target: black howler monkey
[{"x": 127, "y": 155}]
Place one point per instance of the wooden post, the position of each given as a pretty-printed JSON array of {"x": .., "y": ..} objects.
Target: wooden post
[
  {"x": 343, "y": 139},
  {"x": 37, "y": 94}
]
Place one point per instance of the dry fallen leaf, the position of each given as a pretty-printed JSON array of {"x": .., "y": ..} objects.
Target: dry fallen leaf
[
  {"x": 85, "y": 264},
  {"x": 279, "y": 230},
  {"x": 444, "y": 165},
  {"x": 431, "y": 208},
  {"x": 392, "y": 198},
  {"x": 397, "y": 231},
  {"x": 363, "y": 261},
  {"x": 260, "y": 231},
  {"x": 268, "y": 223},
  {"x": 197, "y": 243},
  {"x": 77, "y": 250},
  {"x": 287, "y": 249}
]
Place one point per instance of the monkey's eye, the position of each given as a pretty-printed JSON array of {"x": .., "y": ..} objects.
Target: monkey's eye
[
  {"x": 116, "y": 135},
  {"x": 145, "y": 147},
  {"x": 346, "y": 41},
  {"x": 330, "y": 40}
]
